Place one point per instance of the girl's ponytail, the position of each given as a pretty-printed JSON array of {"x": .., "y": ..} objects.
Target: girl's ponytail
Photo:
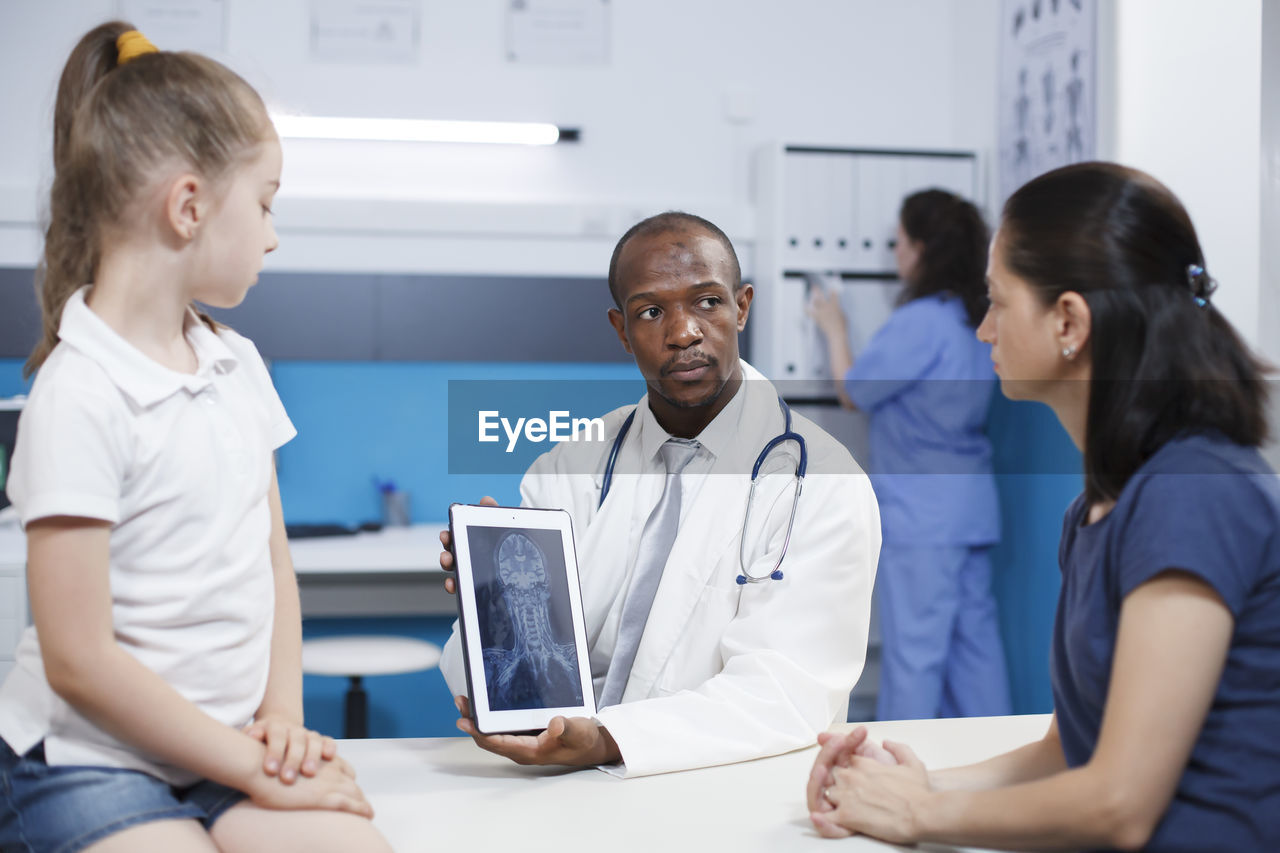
[
  {"x": 70, "y": 243},
  {"x": 114, "y": 125}
]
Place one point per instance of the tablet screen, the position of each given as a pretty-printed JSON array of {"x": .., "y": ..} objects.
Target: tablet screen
[
  {"x": 524, "y": 637},
  {"x": 524, "y": 618}
]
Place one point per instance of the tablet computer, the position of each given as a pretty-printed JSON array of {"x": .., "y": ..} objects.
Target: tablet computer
[{"x": 524, "y": 639}]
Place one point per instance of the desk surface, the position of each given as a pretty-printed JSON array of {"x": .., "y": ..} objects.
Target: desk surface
[
  {"x": 433, "y": 794},
  {"x": 13, "y": 545},
  {"x": 392, "y": 550},
  {"x": 393, "y": 572}
]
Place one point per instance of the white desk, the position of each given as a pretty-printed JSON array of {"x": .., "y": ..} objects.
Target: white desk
[
  {"x": 13, "y": 593},
  {"x": 433, "y": 794},
  {"x": 394, "y": 572}
]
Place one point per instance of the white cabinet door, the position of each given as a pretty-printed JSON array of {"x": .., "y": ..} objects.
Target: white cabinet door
[{"x": 13, "y": 610}]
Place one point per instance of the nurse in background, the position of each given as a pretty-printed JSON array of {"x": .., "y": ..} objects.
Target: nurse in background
[{"x": 926, "y": 382}]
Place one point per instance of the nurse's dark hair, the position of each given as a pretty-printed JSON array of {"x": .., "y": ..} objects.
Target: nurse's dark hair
[
  {"x": 1162, "y": 363},
  {"x": 953, "y": 242},
  {"x": 115, "y": 127},
  {"x": 672, "y": 221}
]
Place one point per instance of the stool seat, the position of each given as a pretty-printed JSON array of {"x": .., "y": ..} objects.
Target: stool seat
[
  {"x": 358, "y": 656},
  {"x": 365, "y": 655}
]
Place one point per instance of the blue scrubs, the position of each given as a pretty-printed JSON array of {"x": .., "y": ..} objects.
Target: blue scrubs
[{"x": 926, "y": 382}]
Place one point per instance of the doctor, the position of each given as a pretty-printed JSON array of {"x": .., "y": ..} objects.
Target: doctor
[{"x": 692, "y": 668}]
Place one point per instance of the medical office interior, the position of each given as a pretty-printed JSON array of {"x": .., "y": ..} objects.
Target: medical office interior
[{"x": 797, "y": 127}]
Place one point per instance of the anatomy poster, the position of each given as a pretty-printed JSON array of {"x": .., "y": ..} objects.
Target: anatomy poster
[{"x": 1047, "y": 102}]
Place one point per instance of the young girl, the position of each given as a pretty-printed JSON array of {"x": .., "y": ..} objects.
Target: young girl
[
  {"x": 1166, "y": 649},
  {"x": 926, "y": 384},
  {"x": 165, "y": 607}
]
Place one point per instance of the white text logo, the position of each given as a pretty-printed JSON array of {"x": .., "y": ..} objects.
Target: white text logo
[{"x": 558, "y": 426}]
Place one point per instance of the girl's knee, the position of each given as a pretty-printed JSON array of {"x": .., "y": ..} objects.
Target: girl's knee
[
  {"x": 247, "y": 827},
  {"x": 167, "y": 836}
]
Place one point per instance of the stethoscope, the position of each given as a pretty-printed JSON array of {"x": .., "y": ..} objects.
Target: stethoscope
[{"x": 787, "y": 435}]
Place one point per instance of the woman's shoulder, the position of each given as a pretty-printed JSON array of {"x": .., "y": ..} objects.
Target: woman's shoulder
[
  {"x": 1208, "y": 452},
  {"x": 1204, "y": 505},
  {"x": 1210, "y": 470}
]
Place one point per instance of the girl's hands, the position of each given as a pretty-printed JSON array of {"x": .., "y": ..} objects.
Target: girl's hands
[
  {"x": 333, "y": 787},
  {"x": 291, "y": 747}
]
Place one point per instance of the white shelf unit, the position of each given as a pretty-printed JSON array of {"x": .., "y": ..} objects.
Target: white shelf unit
[
  {"x": 13, "y": 553},
  {"x": 832, "y": 213},
  {"x": 423, "y": 236},
  {"x": 13, "y": 595}
]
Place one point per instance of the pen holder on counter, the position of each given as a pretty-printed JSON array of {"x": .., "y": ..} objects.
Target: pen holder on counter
[{"x": 395, "y": 505}]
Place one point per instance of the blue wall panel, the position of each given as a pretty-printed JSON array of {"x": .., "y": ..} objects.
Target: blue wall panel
[
  {"x": 358, "y": 421},
  {"x": 11, "y": 381},
  {"x": 1038, "y": 474}
]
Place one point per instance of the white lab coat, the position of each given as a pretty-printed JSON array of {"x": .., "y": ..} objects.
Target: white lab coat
[{"x": 725, "y": 672}]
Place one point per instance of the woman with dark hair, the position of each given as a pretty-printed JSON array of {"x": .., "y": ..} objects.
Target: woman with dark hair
[
  {"x": 1166, "y": 648},
  {"x": 926, "y": 383}
]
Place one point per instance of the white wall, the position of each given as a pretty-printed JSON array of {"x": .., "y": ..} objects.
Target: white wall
[
  {"x": 1269, "y": 307},
  {"x": 911, "y": 73},
  {"x": 974, "y": 105},
  {"x": 1185, "y": 81}
]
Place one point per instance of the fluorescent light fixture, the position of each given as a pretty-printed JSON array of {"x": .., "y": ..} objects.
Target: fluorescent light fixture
[{"x": 420, "y": 130}]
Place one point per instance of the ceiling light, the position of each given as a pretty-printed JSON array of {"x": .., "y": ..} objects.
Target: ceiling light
[{"x": 421, "y": 130}]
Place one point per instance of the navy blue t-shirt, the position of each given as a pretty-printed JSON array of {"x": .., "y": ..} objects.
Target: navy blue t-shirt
[{"x": 1209, "y": 507}]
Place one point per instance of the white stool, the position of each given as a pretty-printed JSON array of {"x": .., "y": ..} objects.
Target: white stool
[{"x": 356, "y": 657}]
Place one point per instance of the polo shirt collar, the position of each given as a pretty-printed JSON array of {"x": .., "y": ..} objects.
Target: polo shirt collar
[{"x": 141, "y": 378}]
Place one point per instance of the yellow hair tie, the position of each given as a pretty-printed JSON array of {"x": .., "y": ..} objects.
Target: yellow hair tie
[{"x": 131, "y": 45}]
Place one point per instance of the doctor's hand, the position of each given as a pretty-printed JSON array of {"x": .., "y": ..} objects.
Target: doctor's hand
[
  {"x": 872, "y": 798},
  {"x": 568, "y": 741},
  {"x": 446, "y": 556}
]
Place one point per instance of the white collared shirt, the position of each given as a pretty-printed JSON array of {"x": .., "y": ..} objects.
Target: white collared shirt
[
  {"x": 180, "y": 464},
  {"x": 715, "y": 440}
]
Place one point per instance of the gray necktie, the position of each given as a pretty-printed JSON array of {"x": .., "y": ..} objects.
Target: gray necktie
[{"x": 651, "y": 556}]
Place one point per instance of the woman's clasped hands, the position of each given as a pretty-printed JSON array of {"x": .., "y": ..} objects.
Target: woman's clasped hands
[{"x": 859, "y": 786}]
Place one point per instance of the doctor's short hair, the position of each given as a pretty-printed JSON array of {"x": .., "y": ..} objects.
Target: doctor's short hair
[{"x": 665, "y": 223}]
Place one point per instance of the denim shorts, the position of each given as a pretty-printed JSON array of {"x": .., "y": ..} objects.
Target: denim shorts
[{"x": 47, "y": 809}]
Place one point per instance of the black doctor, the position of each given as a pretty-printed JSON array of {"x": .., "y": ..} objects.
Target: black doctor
[
  {"x": 701, "y": 650},
  {"x": 680, "y": 304}
]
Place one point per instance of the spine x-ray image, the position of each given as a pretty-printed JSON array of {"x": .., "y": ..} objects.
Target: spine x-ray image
[{"x": 526, "y": 627}]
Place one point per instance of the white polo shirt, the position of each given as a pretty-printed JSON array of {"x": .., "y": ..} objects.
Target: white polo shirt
[{"x": 180, "y": 464}]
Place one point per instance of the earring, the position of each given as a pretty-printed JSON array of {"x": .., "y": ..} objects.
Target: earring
[{"x": 1068, "y": 352}]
